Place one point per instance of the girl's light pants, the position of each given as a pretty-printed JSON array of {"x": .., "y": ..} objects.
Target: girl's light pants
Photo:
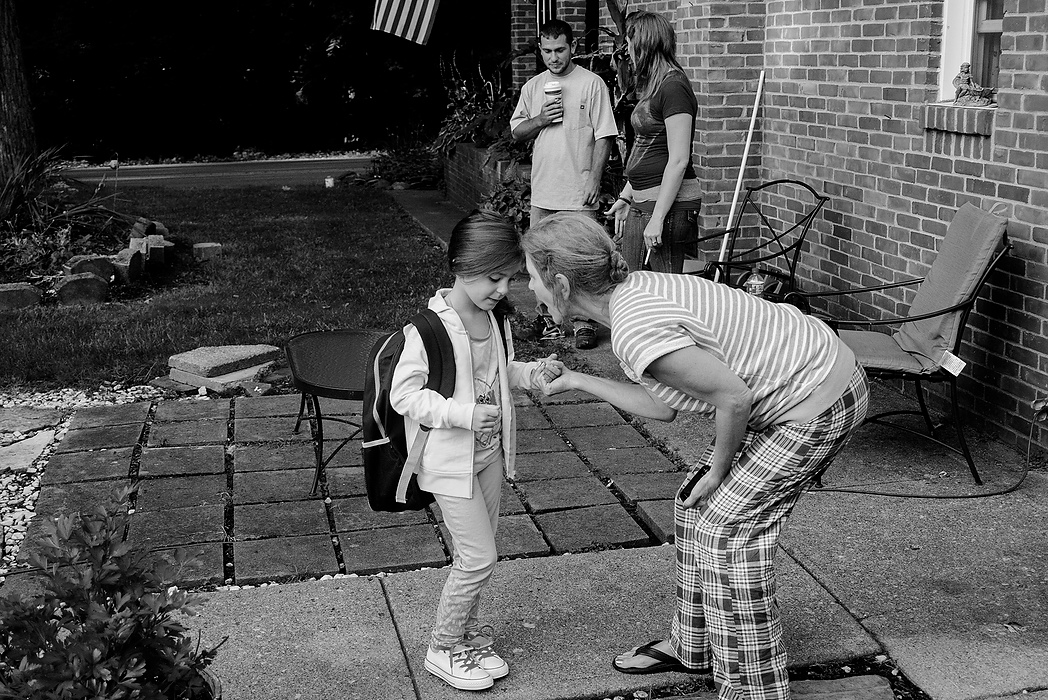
[{"x": 472, "y": 523}]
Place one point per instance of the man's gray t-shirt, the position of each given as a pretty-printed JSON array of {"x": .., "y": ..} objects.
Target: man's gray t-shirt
[{"x": 563, "y": 151}]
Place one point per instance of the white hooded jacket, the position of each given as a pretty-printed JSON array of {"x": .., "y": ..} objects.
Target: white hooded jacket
[{"x": 447, "y": 461}]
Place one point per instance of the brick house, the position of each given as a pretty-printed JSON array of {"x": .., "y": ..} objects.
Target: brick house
[{"x": 856, "y": 103}]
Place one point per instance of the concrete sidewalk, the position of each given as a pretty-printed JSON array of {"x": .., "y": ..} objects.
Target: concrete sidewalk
[{"x": 954, "y": 593}]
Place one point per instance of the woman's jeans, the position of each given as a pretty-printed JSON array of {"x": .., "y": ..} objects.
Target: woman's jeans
[{"x": 680, "y": 233}]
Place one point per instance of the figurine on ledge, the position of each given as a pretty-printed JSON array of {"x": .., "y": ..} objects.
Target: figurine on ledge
[{"x": 969, "y": 92}]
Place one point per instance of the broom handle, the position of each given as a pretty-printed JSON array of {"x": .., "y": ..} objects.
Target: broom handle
[{"x": 738, "y": 182}]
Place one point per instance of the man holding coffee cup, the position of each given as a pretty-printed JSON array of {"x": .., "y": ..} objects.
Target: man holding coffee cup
[{"x": 567, "y": 110}]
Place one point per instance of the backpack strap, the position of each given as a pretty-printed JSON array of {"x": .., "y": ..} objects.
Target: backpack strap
[{"x": 441, "y": 355}]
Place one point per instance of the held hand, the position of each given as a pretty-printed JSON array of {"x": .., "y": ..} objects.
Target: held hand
[
  {"x": 552, "y": 111},
  {"x": 485, "y": 418},
  {"x": 559, "y": 384},
  {"x": 550, "y": 368},
  {"x": 703, "y": 487},
  {"x": 592, "y": 190},
  {"x": 618, "y": 211},
  {"x": 653, "y": 233}
]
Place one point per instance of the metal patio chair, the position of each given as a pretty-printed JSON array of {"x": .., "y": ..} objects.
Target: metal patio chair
[
  {"x": 926, "y": 346},
  {"x": 767, "y": 234},
  {"x": 329, "y": 365}
]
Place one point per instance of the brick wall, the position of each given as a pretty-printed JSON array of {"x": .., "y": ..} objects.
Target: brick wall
[
  {"x": 848, "y": 109},
  {"x": 523, "y": 29},
  {"x": 466, "y": 179},
  {"x": 469, "y": 176}
]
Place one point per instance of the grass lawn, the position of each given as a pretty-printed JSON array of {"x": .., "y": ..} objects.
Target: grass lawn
[{"x": 293, "y": 261}]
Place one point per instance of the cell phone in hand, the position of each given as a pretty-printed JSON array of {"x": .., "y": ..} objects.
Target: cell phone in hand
[{"x": 685, "y": 490}]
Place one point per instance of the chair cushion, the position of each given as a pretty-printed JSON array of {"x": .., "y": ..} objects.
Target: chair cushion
[
  {"x": 875, "y": 350},
  {"x": 964, "y": 254}
]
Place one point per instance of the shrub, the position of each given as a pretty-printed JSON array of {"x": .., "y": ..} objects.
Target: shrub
[
  {"x": 44, "y": 220},
  {"x": 415, "y": 164},
  {"x": 512, "y": 199},
  {"x": 479, "y": 109},
  {"x": 107, "y": 625}
]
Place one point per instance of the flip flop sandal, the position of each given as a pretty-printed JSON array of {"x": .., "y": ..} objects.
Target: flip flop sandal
[{"x": 664, "y": 662}]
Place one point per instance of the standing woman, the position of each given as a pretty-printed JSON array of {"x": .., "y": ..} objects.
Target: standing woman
[
  {"x": 658, "y": 208},
  {"x": 785, "y": 394}
]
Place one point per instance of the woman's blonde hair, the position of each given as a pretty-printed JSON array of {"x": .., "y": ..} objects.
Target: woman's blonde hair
[
  {"x": 654, "y": 44},
  {"x": 576, "y": 246}
]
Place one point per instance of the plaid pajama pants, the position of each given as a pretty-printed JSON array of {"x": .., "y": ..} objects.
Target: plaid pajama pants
[{"x": 727, "y": 617}]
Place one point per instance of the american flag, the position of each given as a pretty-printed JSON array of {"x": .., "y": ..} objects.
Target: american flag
[{"x": 410, "y": 19}]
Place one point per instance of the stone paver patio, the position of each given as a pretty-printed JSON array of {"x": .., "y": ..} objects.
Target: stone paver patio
[{"x": 229, "y": 479}]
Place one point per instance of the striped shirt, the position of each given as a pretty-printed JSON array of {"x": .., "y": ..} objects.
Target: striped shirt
[{"x": 781, "y": 354}]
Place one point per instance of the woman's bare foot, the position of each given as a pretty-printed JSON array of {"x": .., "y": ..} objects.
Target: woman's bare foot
[
  {"x": 653, "y": 657},
  {"x": 631, "y": 659}
]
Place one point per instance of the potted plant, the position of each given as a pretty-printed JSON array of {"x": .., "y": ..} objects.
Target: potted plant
[{"x": 108, "y": 623}]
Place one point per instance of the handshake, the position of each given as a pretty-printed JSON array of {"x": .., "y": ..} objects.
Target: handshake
[
  {"x": 548, "y": 370},
  {"x": 487, "y": 417}
]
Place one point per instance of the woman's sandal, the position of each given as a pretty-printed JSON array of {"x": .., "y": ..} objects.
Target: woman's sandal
[{"x": 664, "y": 663}]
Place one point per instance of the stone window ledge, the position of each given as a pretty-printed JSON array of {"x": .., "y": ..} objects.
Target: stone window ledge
[{"x": 957, "y": 119}]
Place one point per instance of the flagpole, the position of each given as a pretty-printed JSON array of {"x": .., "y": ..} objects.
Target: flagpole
[{"x": 738, "y": 181}]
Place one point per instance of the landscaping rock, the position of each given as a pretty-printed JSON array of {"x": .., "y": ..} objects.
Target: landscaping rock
[
  {"x": 169, "y": 384},
  {"x": 18, "y": 295},
  {"x": 215, "y": 360},
  {"x": 98, "y": 264},
  {"x": 143, "y": 228},
  {"x": 156, "y": 245},
  {"x": 24, "y": 419},
  {"x": 138, "y": 245},
  {"x": 128, "y": 265},
  {"x": 221, "y": 382},
  {"x": 256, "y": 388},
  {"x": 83, "y": 288},
  {"x": 20, "y": 456},
  {"x": 207, "y": 251}
]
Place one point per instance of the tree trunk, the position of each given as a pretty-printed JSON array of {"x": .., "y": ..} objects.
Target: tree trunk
[{"x": 17, "y": 136}]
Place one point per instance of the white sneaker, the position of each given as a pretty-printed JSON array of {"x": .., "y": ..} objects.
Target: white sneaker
[
  {"x": 491, "y": 662},
  {"x": 459, "y": 668},
  {"x": 482, "y": 641}
]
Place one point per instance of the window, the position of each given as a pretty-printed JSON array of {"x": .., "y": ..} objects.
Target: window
[
  {"x": 986, "y": 51},
  {"x": 971, "y": 34}
]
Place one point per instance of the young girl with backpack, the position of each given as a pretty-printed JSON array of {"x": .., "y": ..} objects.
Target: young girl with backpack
[{"x": 473, "y": 439}]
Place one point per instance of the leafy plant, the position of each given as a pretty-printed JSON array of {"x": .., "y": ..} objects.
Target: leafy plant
[
  {"x": 414, "y": 163},
  {"x": 107, "y": 625},
  {"x": 44, "y": 220},
  {"x": 511, "y": 199},
  {"x": 479, "y": 108}
]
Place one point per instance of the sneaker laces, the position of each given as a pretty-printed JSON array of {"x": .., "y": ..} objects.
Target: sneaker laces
[
  {"x": 485, "y": 652},
  {"x": 466, "y": 658}
]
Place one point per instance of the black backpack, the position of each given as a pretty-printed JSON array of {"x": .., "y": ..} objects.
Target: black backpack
[
  {"x": 390, "y": 480},
  {"x": 389, "y": 470}
]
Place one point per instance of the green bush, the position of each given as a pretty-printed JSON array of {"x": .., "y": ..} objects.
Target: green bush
[
  {"x": 44, "y": 220},
  {"x": 512, "y": 199},
  {"x": 107, "y": 625},
  {"x": 417, "y": 165}
]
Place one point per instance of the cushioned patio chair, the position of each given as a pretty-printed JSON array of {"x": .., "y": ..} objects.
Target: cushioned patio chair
[
  {"x": 768, "y": 234},
  {"x": 926, "y": 347}
]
